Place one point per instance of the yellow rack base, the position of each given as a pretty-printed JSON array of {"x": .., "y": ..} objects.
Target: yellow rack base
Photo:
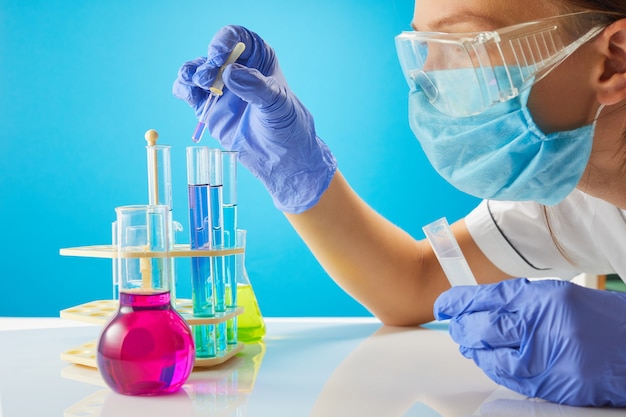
[{"x": 100, "y": 311}]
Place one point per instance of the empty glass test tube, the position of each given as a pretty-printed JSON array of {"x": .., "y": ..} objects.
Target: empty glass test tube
[
  {"x": 202, "y": 286},
  {"x": 160, "y": 193},
  {"x": 449, "y": 253},
  {"x": 116, "y": 277}
]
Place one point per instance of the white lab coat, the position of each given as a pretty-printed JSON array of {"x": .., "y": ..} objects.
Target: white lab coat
[{"x": 516, "y": 238}]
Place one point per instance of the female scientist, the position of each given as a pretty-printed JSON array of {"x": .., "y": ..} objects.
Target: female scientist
[{"x": 519, "y": 103}]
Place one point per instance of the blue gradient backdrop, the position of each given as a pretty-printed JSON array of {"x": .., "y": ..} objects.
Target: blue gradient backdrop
[{"x": 81, "y": 81}]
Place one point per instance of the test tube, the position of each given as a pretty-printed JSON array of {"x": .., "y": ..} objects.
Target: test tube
[
  {"x": 229, "y": 204},
  {"x": 200, "y": 238},
  {"x": 159, "y": 175},
  {"x": 449, "y": 253},
  {"x": 216, "y": 221},
  {"x": 160, "y": 189},
  {"x": 116, "y": 277}
]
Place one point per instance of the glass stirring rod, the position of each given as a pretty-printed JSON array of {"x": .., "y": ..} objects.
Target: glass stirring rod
[{"x": 216, "y": 90}]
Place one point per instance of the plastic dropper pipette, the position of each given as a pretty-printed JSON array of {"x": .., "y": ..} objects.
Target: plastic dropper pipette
[{"x": 216, "y": 90}]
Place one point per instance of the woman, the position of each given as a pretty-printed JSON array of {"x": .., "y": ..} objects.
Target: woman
[{"x": 547, "y": 155}]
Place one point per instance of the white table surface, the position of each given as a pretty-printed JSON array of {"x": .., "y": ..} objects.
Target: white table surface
[{"x": 307, "y": 367}]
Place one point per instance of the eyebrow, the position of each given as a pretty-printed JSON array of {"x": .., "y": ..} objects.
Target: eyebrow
[{"x": 440, "y": 24}]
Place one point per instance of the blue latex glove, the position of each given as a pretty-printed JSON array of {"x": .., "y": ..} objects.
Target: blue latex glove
[
  {"x": 548, "y": 339},
  {"x": 260, "y": 117}
]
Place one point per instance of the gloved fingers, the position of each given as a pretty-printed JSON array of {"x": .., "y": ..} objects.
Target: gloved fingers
[
  {"x": 219, "y": 49},
  {"x": 257, "y": 53},
  {"x": 506, "y": 366},
  {"x": 188, "y": 69},
  {"x": 454, "y": 301},
  {"x": 253, "y": 87},
  {"x": 467, "y": 299},
  {"x": 487, "y": 330},
  {"x": 185, "y": 88},
  {"x": 205, "y": 76}
]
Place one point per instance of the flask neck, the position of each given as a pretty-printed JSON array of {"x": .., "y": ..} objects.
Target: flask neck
[{"x": 154, "y": 300}]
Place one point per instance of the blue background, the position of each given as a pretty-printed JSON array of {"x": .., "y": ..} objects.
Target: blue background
[{"x": 81, "y": 81}]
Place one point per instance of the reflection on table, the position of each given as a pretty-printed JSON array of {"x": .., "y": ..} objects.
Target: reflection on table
[{"x": 305, "y": 367}]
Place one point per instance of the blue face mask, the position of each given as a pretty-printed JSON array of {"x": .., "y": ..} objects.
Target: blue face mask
[{"x": 499, "y": 154}]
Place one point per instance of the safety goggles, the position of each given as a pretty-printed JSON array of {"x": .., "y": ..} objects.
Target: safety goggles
[{"x": 491, "y": 67}]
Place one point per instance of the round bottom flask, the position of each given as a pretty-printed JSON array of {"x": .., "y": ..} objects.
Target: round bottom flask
[{"x": 147, "y": 348}]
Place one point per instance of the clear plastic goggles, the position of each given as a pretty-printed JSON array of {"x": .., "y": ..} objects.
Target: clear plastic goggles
[{"x": 491, "y": 67}]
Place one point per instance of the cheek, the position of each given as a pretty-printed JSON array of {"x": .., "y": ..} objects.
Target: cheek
[{"x": 563, "y": 100}]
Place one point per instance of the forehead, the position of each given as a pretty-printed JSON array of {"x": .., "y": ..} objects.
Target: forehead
[{"x": 477, "y": 15}]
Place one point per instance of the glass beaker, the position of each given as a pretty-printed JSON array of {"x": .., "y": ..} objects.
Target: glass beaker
[
  {"x": 250, "y": 324},
  {"x": 146, "y": 348}
]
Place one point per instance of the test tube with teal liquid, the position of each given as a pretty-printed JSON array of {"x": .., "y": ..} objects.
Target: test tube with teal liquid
[
  {"x": 202, "y": 286},
  {"x": 216, "y": 221},
  {"x": 229, "y": 204}
]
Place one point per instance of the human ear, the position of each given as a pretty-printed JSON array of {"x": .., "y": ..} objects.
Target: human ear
[{"x": 611, "y": 75}]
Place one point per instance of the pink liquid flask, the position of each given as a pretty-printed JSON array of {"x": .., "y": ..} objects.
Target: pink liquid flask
[{"x": 147, "y": 347}]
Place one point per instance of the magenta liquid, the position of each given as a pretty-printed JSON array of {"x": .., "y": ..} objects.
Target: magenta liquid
[{"x": 147, "y": 348}]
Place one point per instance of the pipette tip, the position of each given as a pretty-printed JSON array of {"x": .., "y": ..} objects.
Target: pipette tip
[{"x": 197, "y": 134}]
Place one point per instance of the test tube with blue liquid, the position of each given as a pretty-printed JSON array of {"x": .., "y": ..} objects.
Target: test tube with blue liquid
[
  {"x": 202, "y": 286},
  {"x": 449, "y": 253},
  {"x": 229, "y": 203},
  {"x": 216, "y": 221}
]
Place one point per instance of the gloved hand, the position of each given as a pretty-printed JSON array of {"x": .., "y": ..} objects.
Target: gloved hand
[
  {"x": 260, "y": 117},
  {"x": 548, "y": 339}
]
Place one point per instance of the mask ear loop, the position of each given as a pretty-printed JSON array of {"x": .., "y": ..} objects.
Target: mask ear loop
[{"x": 597, "y": 115}]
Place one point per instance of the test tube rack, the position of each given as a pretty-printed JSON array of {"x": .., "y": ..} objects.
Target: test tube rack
[{"x": 100, "y": 311}]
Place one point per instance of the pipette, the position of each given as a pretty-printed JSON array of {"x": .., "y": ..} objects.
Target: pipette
[
  {"x": 449, "y": 253},
  {"x": 216, "y": 90}
]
